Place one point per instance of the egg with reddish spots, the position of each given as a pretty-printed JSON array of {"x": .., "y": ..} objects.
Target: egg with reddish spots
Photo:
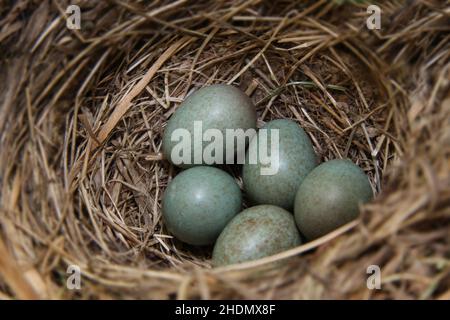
[{"x": 255, "y": 233}]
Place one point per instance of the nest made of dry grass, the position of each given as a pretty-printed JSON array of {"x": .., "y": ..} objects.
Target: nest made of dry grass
[{"x": 82, "y": 113}]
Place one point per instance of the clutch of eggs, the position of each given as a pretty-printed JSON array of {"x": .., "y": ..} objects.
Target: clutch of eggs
[{"x": 202, "y": 204}]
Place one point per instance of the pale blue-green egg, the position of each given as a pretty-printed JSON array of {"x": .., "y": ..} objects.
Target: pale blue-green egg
[
  {"x": 296, "y": 158},
  {"x": 217, "y": 107},
  {"x": 256, "y": 232},
  {"x": 330, "y": 196},
  {"x": 198, "y": 203}
]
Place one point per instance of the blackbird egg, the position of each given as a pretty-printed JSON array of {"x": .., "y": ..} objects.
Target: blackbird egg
[
  {"x": 198, "y": 203},
  {"x": 199, "y": 126},
  {"x": 255, "y": 233},
  {"x": 296, "y": 158},
  {"x": 329, "y": 197}
]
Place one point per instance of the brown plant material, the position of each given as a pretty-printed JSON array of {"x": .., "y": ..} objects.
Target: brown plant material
[{"x": 82, "y": 113}]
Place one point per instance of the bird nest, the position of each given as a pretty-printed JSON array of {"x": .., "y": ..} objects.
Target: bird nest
[{"x": 82, "y": 113}]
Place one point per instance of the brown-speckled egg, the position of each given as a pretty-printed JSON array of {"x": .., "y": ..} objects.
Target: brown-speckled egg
[
  {"x": 296, "y": 159},
  {"x": 218, "y": 107},
  {"x": 255, "y": 233},
  {"x": 199, "y": 202},
  {"x": 330, "y": 196}
]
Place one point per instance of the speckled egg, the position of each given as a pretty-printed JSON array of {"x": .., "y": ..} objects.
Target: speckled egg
[
  {"x": 296, "y": 159},
  {"x": 255, "y": 233},
  {"x": 218, "y": 107},
  {"x": 329, "y": 197},
  {"x": 198, "y": 203}
]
